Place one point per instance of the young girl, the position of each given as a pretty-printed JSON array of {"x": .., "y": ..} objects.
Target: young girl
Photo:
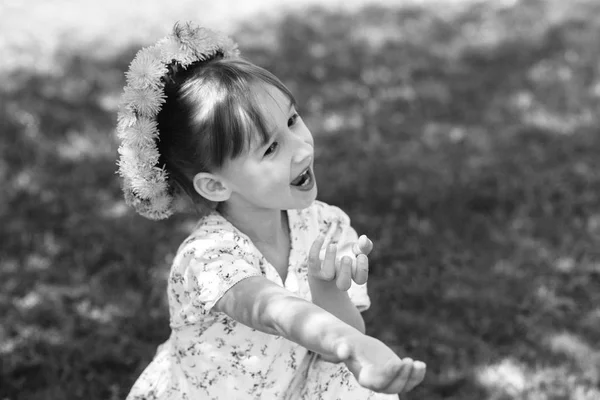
[{"x": 265, "y": 294}]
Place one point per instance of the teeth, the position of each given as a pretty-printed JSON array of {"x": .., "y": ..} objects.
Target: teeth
[{"x": 301, "y": 179}]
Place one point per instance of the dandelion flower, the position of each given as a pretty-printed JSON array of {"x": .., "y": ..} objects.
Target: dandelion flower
[
  {"x": 147, "y": 101},
  {"x": 145, "y": 70},
  {"x": 160, "y": 207},
  {"x": 171, "y": 49},
  {"x": 141, "y": 134},
  {"x": 128, "y": 161},
  {"x": 145, "y": 183},
  {"x": 125, "y": 118},
  {"x": 162, "y": 203},
  {"x": 149, "y": 186}
]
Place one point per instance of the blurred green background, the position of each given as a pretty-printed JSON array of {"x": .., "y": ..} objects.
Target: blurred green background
[{"x": 463, "y": 140}]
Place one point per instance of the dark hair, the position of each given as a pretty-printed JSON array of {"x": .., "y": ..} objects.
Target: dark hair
[{"x": 210, "y": 115}]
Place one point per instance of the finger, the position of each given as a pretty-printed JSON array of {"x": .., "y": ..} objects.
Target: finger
[
  {"x": 406, "y": 372},
  {"x": 363, "y": 245},
  {"x": 398, "y": 383},
  {"x": 314, "y": 264},
  {"x": 328, "y": 265},
  {"x": 344, "y": 274},
  {"x": 353, "y": 364},
  {"x": 381, "y": 379},
  {"x": 417, "y": 376},
  {"x": 361, "y": 271}
]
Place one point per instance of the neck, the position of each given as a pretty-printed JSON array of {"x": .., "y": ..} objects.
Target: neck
[{"x": 262, "y": 226}]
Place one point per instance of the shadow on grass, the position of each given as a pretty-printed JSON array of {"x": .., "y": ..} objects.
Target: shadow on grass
[
  {"x": 82, "y": 277},
  {"x": 470, "y": 159}
]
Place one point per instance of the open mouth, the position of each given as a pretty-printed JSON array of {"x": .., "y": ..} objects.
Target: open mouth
[{"x": 304, "y": 180}]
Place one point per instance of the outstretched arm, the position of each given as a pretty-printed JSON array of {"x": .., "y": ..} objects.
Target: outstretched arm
[{"x": 267, "y": 307}]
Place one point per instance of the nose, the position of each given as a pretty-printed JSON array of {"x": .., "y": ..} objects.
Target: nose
[{"x": 303, "y": 153}]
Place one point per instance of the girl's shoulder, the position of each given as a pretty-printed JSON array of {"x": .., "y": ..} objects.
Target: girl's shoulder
[{"x": 213, "y": 233}]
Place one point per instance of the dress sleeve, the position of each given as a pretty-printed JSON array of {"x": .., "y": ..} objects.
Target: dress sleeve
[
  {"x": 339, "y": 231},
  {"x": 205, "y": 267}
]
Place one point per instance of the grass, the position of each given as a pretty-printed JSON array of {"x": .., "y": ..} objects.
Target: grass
[{"x": 464, "y": 143}]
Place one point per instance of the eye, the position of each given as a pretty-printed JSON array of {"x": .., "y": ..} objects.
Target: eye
[
  {"x": 293, "y": 119},
  {"x": 272, "y": 148}
]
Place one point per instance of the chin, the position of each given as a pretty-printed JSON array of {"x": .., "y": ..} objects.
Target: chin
[{"x": 309, "y": 199}]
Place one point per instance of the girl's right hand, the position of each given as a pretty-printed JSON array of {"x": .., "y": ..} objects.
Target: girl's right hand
[
  {"x": 344, "y": 270},
  {"x": 376, "y": 366}
]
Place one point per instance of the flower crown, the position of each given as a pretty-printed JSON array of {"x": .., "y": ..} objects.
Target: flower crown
[{"x": 145, "y": 183}]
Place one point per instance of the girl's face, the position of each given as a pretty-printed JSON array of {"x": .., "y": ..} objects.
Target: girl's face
[{"x": 278, "y": 175}]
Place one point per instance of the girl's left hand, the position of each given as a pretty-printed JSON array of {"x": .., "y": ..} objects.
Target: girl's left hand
[{"x": 347, "y": 269}]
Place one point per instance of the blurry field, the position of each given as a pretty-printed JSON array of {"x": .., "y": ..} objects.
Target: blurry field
[{"x": 464, "y": 141}]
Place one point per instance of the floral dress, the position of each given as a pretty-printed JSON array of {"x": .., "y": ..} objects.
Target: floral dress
[{"x": 211, "y": 356}]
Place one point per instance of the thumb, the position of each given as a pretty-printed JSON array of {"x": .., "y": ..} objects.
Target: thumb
[
  {"x": 314, "y": 263},
  {"x": 363, "y": 245}
]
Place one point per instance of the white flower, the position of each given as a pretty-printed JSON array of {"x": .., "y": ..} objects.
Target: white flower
[
  {"x": 226, "y": 45},
  {"x": 151, "y": 186},
  {"x": 159, "y": 208},
  {"x": 204, "y": 43},
  {"x": 149, "y": 156},
  {"x": 155, "y": 208},
  {"x": 128, "y": 161},
  {"x": 188, "y": 35},
  {"x": 162, "y": 202},
  {"x": 125, "y": 117},
  {"x": 147, "y": 101},
  {"x": 141, "y": 134},
  {"x": 146, "y": 69},
  {"x": 145, "y": 183},
  {"x": 171, "y": 49}
]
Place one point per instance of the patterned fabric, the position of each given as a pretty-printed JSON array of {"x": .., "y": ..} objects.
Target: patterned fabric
[{"x": 211, "y": 356}]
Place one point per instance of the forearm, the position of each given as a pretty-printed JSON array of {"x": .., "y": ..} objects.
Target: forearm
[
  {"x": 309, "y": 325},
  {"x": 326, "y": 295},
  {"x": 267, "y": 307}
]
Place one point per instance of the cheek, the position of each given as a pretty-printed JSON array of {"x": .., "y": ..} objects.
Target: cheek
[
  {"x": 262, "y": 178},
  {"x": 276, "y": 175}
]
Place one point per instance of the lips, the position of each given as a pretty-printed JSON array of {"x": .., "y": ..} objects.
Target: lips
[
  {"x": 305, "y": 180},
  {"x": 300, "y": 178}
]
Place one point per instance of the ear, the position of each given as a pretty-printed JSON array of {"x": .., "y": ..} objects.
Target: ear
[{"x": 211, "y": 187}]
